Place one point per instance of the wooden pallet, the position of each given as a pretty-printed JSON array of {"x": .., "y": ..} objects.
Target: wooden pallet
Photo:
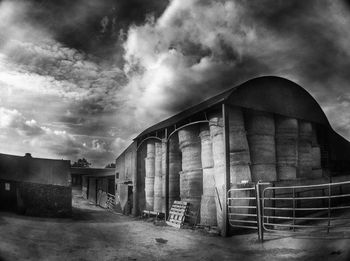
[{"x": 177, "y": 214}]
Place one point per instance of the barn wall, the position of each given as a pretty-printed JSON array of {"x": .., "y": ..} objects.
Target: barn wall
[{"x": 125, "y": 177}]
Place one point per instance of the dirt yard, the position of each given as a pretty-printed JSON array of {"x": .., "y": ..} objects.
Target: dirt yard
[{"x": 95, "y": 234}]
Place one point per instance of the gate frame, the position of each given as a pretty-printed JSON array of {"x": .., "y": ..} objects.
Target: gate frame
[{"x": 260, "y": 205}]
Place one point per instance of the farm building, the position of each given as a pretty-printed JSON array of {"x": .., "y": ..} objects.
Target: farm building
[
  {"x": 96, "y": 184},
  {"x": 36, "y": 187},
  {"x": 267, "y": 129}
]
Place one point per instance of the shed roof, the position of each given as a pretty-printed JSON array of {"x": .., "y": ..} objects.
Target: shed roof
[{"x": 267, "y": 93}]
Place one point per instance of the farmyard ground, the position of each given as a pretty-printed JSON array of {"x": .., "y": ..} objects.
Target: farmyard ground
[{"x": 96, "y": 234}]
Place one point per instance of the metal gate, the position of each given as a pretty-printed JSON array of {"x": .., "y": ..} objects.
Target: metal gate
[
  {"x": 244, "y": 208},
  {"x": 297, "y": 209}
]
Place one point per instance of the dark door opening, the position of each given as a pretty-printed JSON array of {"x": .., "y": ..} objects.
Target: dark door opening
[
  {"x": 111, "y": 186},
  {"x": 130, "y": 200},
  {"x": 8, "y": 195}
]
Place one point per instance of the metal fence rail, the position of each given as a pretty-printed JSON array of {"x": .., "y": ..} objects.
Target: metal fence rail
[
  {"x": 286, "y": 207},
  {"x": 242, "y": 208},
  {"x": 297, "y": 209}
]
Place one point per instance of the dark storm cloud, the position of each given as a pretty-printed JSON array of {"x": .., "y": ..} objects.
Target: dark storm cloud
[
  {"x": 94, "y": 26},
  {"x": 108, "y": 69},
  {"x": 198, "y": 48}
]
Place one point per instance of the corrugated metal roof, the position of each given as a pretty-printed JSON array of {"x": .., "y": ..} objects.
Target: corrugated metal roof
[
  {"x": 266, "y": 93},
  {"x": 188, "y": 112}
]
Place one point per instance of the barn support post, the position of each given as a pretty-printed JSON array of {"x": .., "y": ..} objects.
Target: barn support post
[
  {"x": 166, "y": 175},
  {"x": 225, "y": 117},
  {"x": 135, "y": 203}
]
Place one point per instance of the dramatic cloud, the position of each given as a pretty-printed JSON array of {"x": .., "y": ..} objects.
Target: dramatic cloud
[
  {"x": 82, "y": 79},
  {"x": 198, "y": 48},
  {"x": 54, "y": 97}
]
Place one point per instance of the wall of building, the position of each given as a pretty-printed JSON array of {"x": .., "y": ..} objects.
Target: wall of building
[
  {"x": 125, "y": 178},
  {"x": 35, "y": 170},
  {"x": 96, "y": 189},
  {"x": 44, "y": 200},
  {"x": 32, "y": 186}
]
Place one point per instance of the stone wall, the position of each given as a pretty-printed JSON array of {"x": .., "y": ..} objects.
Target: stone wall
[{"x": 35, "y": 199}]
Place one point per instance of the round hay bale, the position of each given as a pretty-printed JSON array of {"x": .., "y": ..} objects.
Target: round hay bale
[
  {"x": 286, "y": 172},
  {"x": 150, "y": 166},
  {"x": 150, "y": 149},
  {"x": 208, "y": 211},
  {"x": 262, "y": 149},
  {"x": 263, "y": 172},
  {"x": 316, "y": 157},
  {"x": 260, "y": 123},
  {"x": 206, "y": 147},
  {"x": 305, "y": 131},
  {"x": 286, "y": 127},
  {"x": 191, "y": 183}
]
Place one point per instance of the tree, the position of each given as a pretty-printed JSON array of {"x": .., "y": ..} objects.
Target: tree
[
  {"x": 81, "y": 163},
  {"x": 110, "y": 166}
]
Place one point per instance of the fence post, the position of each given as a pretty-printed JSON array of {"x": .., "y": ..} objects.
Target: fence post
[
  {"x": 329, "y": 206},
  {"x": 258, "y": 212},
  {"x": 293, "y": 209}
]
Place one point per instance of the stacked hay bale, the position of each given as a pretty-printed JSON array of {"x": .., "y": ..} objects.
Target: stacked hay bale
[
  {"x": 286, "y": 147},
  {"x": 218, "y": 146},
  {"x": 208, "y": 207},
  {"x": 316, "y": 155},
  {"x": 239, "y": 149},
  {"x": 149, "y": 178},
  {"x": 191, "y": 176},
  {"x": 239, "y": 160},
  {"x": 158, "y": 177},
  {"x": 305, "y": 149},
  {"x": 261, "y": 139},
  {"x": 174, "y": 169}
]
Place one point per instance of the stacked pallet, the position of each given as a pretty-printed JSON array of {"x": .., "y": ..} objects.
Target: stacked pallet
[{"x": 178, "y": 213}]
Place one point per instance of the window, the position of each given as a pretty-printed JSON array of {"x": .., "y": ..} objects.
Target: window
[{"x": 7, "y": 186}]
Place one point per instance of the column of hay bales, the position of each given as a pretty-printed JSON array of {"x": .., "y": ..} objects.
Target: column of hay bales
[
  {"x": 316, "y": 155},
  {"x": 208, "y": 207},
  {"x": 261, "y": 139},
  {"x": 286, "y": 147},
  {"x": 239, "y": 160},
  {"x": 239, "y": 149},
  {"x": 158, "y": 177},
  {"x": 149, "y": 178},
  {"x": 218, "y": 146},
  {"x": 174, "y": 169},
  {"x": 191, "y": 176},
  {"x": 305, "y": 150}
]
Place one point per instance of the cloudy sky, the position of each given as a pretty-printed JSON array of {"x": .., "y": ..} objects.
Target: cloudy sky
[{"x": 82, "y": 78}]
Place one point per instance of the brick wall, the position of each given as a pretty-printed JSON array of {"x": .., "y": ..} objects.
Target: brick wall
[{"x": 44, "y": 200}]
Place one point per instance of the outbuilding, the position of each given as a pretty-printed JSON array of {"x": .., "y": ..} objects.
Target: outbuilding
[{"x": 34, "y": 186}]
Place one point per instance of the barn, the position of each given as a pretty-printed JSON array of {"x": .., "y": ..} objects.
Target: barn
[{"x": 267, "y": 129}]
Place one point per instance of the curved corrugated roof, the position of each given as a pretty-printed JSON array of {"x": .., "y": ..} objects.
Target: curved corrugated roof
[{"x": 267, "y": 93}]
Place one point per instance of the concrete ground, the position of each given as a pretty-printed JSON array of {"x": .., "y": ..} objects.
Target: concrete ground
[{"x": 95, "y": 234}]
